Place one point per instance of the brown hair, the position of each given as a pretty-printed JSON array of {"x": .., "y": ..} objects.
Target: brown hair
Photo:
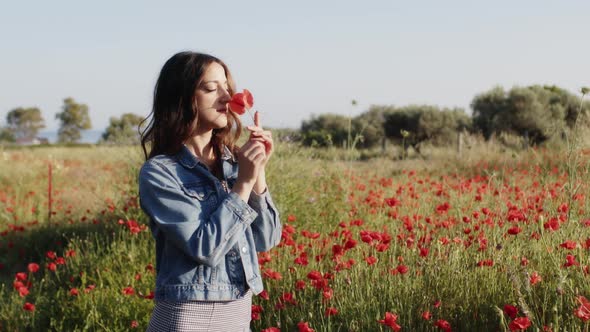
[{"x": 175, "y": 109}]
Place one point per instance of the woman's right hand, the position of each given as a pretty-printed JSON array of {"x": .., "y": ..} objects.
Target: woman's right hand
[{"x": 251, "y": 158}]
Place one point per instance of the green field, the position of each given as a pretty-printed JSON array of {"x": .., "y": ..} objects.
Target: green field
[{"x": 438, "y": 241}]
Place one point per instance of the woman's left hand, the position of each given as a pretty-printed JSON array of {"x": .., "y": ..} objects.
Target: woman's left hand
[{"x": 263, "y": 136}]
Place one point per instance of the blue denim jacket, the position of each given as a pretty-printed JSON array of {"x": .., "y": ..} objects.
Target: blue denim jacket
[{"x": 207, "y": 238}]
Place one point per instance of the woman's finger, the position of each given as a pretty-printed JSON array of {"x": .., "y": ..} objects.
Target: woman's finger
[
  {"x": 254, "y": 128},
  {"x": 248, "y": 148},
  {"x": 257, "y": 119}
]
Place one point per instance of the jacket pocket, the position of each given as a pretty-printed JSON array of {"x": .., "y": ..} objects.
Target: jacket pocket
[{"x": 199, "y": 190}]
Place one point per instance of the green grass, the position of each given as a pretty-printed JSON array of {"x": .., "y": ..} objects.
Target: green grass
[{"x": 95, "y": 187}]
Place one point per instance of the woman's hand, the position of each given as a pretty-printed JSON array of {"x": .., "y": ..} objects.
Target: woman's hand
[
  {"x": 257, "y": 134},
  {"x": 251, "y": 161},
  {"x": 264, "y": 138}
]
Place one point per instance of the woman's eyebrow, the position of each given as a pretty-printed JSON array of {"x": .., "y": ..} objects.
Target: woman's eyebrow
[{"x": 213, "y": 81}]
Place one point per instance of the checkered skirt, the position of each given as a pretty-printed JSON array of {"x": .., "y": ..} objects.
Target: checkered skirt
[{"x": 217, "y": 316}]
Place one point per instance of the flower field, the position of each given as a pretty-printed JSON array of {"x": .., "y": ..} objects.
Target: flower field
[{"x": 494, "y": 241}]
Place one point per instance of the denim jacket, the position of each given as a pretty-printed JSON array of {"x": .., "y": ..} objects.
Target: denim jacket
[{"x": 207, "y": 237}]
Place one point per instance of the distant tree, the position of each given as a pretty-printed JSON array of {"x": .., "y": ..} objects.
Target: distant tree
[
  {"x": 6, "y": 135},
  {"x": 535, "y": 112},
  {"x": 123, "y": 130},
  {"x": 440, "y": 126},
  {"x": 416, "y": 124},
  {"x": 369, "y": 125},
  {"x": 325, "y": 130},
  {"x": 74, "y": 117},
  {"x": 487, "y": 108},
  {"x": 25, "y": 122}
]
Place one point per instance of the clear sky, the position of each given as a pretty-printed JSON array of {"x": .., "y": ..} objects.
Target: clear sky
[{"x": 298, "y": 58}]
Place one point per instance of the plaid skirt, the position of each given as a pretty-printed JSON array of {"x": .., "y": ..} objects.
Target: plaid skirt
[{"x": 218, "y": 316}]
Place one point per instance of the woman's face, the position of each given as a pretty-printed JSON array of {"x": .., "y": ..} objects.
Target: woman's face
[{"x": 212, "y": 97}]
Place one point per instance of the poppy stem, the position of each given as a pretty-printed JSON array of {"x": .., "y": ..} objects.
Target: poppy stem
[{"x": 251, "y": 116}]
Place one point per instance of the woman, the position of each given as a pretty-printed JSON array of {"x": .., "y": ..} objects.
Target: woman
[{"x": 209, "y": 206}]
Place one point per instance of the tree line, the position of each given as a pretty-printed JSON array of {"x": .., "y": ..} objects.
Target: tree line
[
  {"x": 536, "y": 113},
  {"x": 23, "y": 125}
]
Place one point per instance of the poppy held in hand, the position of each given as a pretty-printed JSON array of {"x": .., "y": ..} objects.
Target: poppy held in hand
[{"x": 241, "y": 102}]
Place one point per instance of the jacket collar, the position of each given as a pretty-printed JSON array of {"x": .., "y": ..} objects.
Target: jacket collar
[{"x": 189, "y": 160}]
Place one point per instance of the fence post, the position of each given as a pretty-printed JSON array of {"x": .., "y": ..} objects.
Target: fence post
[
  {"x": 49, "y": 190},
  {"x": 459, "y": 143}
]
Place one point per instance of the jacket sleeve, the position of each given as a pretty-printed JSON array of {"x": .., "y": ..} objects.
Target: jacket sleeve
[
  {"x": 205, "y": 238},
  {"x": 266, "y": 228}
]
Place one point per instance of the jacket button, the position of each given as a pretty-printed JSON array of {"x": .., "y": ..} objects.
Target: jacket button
[{"x": 244, "y": 250}]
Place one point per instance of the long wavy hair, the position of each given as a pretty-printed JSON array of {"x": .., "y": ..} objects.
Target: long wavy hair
[{"x": 175, "y": 108}]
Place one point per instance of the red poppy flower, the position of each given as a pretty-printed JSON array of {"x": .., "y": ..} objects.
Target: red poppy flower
[
  {"x": 314, "y": 275},
  {"x": 552, "y": 224},
  {"x": 331, "y": 311},
  {"x": 264, "y": 295},
  {"x": 443, "y": 325},
  {"x": 128, "y": 291},
  {"x": 583, "y": 312},
  {"x": 510, "y": 311},
  {"x": 74, "y": 292},
  {"x": 23, "y": 291},
  {"x": 270, "y": 274},
  {"x": 514, "y": 230},
  {"x": 256, "y": 310},
  {"x": 371, "y": 260},
  {"x": 520, "y": 324},
  {"x": 535, "y": 278},
  {"x": 402, "y": 269},
  {"x": 570, "y": 261},
  {"x": 391, "y": 321},
  {"x": 272, "y": 329},
  {"x": 33, "y": 267},
  {"x": 304, "y": 327},
  {"x": 29, "y": 307},
  {"x": 300, "y": 285},
  {"x": 241, "y": 101},
  {"x": 569, "y": 245}
]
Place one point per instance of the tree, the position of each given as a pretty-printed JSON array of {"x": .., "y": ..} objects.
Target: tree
[
  {"x": 6, "y": 135},
  {"x": 74, "y": 117},
  {"x": 487, "y": 108},
  {"x": 416, "y": 124},
  {"x": 535, "y": 112},
  {"x": 369, "y": 125},
  {"x": 123, "y": 130},
  {"x": 24, "y": 123},
  {"x": 325, "y": 130}
]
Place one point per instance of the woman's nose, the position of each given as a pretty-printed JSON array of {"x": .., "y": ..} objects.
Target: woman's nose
[{"x": 225, "y": 96}]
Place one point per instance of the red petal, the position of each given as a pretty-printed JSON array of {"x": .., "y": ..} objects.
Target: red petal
[{"x": 248, "y": 99}]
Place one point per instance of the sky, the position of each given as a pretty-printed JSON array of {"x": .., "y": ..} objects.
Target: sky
[{"x": 298, "y": 58}]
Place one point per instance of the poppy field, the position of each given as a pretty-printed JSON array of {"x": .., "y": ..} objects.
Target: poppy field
[{"x": 492, "y": 241}]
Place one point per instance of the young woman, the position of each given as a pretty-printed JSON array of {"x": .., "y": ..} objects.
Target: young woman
[{"x": 209, "y": 206}]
